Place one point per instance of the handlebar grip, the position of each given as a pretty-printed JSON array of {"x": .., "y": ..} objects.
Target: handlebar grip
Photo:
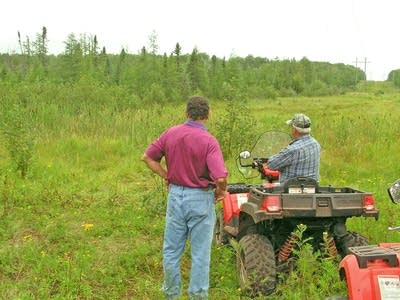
[{"x": 269, "y": 172}]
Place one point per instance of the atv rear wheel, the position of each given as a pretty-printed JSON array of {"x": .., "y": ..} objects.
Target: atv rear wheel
[
  {"x": 351, "y": 239},
  {"x": 256, "y": 265}
]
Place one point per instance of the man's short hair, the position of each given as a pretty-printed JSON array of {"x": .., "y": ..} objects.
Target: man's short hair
[{"x": 197, "y": 108}]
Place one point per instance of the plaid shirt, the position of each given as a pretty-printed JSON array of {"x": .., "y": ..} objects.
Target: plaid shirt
[{"x": 300, "y": 158}]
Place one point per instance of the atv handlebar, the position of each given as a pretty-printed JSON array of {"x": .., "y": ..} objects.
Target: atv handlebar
[{"x": 257, "y": 163}]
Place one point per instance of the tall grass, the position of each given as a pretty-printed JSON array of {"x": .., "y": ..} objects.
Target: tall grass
[{"x": 87, "y": 221}]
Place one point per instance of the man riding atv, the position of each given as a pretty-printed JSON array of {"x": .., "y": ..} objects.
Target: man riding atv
[{"x": 302, "y": 156}]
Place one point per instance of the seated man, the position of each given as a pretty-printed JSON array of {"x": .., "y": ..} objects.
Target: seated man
[{"x": 302, "y": 156}]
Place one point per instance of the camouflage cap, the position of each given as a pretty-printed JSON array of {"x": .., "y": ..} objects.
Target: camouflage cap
[{"x": 301, "y": 122}]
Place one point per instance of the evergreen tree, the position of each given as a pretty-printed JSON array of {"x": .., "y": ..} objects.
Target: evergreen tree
[
  {"x": 117, "y": 77},
  {"x": 177, "y": 52},
  {"x": 71, "y": 59},
  {"x": 197, "y": 73}
]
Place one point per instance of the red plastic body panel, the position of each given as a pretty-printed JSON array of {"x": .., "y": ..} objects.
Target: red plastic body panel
[
  {"x": 232, "y": 204},
  {"x": 377, "y": 281}
]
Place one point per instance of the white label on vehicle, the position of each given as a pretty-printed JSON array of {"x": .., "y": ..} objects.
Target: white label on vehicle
[
  {"x": 305, "y": 190},
  {"x": 389, "y": 286},
  {"x": 294, "y": 190},
  {"x": 309, "y": 190},
  {"x": 241, "y": 198}
]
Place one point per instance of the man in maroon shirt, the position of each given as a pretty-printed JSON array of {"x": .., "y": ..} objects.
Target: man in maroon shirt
[{"x": 197, "y": 177}]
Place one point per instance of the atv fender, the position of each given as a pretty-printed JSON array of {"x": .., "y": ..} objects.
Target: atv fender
[
  {"x": 254, "y": 211},
  {"x": 232, "y": 204},
  {"x": 235, "y": 204}
]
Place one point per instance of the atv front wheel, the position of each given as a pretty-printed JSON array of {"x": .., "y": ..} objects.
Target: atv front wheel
[
  {"x": 351, "y": 239},
  {"x": 256, "y": 265}
]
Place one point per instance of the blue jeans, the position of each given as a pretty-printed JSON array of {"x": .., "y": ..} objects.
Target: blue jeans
[{"x": 190, "y": 215}]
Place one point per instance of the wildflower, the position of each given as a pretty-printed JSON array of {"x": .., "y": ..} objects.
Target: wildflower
[
  {"x": 87, "y": 226},
  {"x": 27, "y": 237}
]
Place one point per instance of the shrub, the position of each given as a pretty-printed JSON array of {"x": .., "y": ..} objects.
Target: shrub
[
  {"x": 235, "y": 128},
  {"x": 19, "y": 133}
]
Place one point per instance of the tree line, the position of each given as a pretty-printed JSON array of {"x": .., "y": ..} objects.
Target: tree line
[{"x": 154, "y": 77}]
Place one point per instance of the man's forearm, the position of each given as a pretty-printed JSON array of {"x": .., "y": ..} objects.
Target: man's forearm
[
  {"x": 220, "y": 188},
  {"x": 155, "y": 166}
]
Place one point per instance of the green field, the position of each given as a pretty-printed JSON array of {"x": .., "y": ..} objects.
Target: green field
[{"x": 82, "y": 218}]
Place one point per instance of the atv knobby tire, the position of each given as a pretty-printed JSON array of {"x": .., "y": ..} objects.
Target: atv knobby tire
[
  {"x": 351, "y": 239},
  {"x": 236, "y": 188},
  {"x": 256, "y": 265},
  {"x": 220, "y": 236}
]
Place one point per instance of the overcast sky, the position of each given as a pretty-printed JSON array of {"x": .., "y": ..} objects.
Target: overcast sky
[{"x": 337, "y": 31}]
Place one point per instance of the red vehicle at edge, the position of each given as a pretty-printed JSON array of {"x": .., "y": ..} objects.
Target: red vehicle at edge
[{"x": 373, "y": 272}]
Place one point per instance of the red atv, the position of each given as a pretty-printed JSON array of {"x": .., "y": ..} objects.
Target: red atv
[
  {"x": 373, "y": 272},
  {"x": 263, "y": 217}
]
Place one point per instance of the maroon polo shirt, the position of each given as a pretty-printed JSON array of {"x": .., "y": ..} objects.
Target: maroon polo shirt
[{"x": 193, "y": 156}]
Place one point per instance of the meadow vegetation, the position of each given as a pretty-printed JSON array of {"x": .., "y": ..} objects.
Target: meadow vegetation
[
  {"x": 82, "y": 218},
  {"x": 80, "y": 215}
]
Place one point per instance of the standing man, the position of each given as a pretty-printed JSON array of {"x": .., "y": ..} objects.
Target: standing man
[
  {"x": 197, "y": 177},
  {"x": 302, "y": 156}
]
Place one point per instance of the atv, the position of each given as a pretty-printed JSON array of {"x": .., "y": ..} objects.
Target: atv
[
  {"x": 373, "y": 272},
  {"x": 263, "y": 217}
]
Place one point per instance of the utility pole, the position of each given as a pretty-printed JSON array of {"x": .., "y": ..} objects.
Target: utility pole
[
  {"x": 365, "y": 67},
  {"x": 356, "y": 69}
]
